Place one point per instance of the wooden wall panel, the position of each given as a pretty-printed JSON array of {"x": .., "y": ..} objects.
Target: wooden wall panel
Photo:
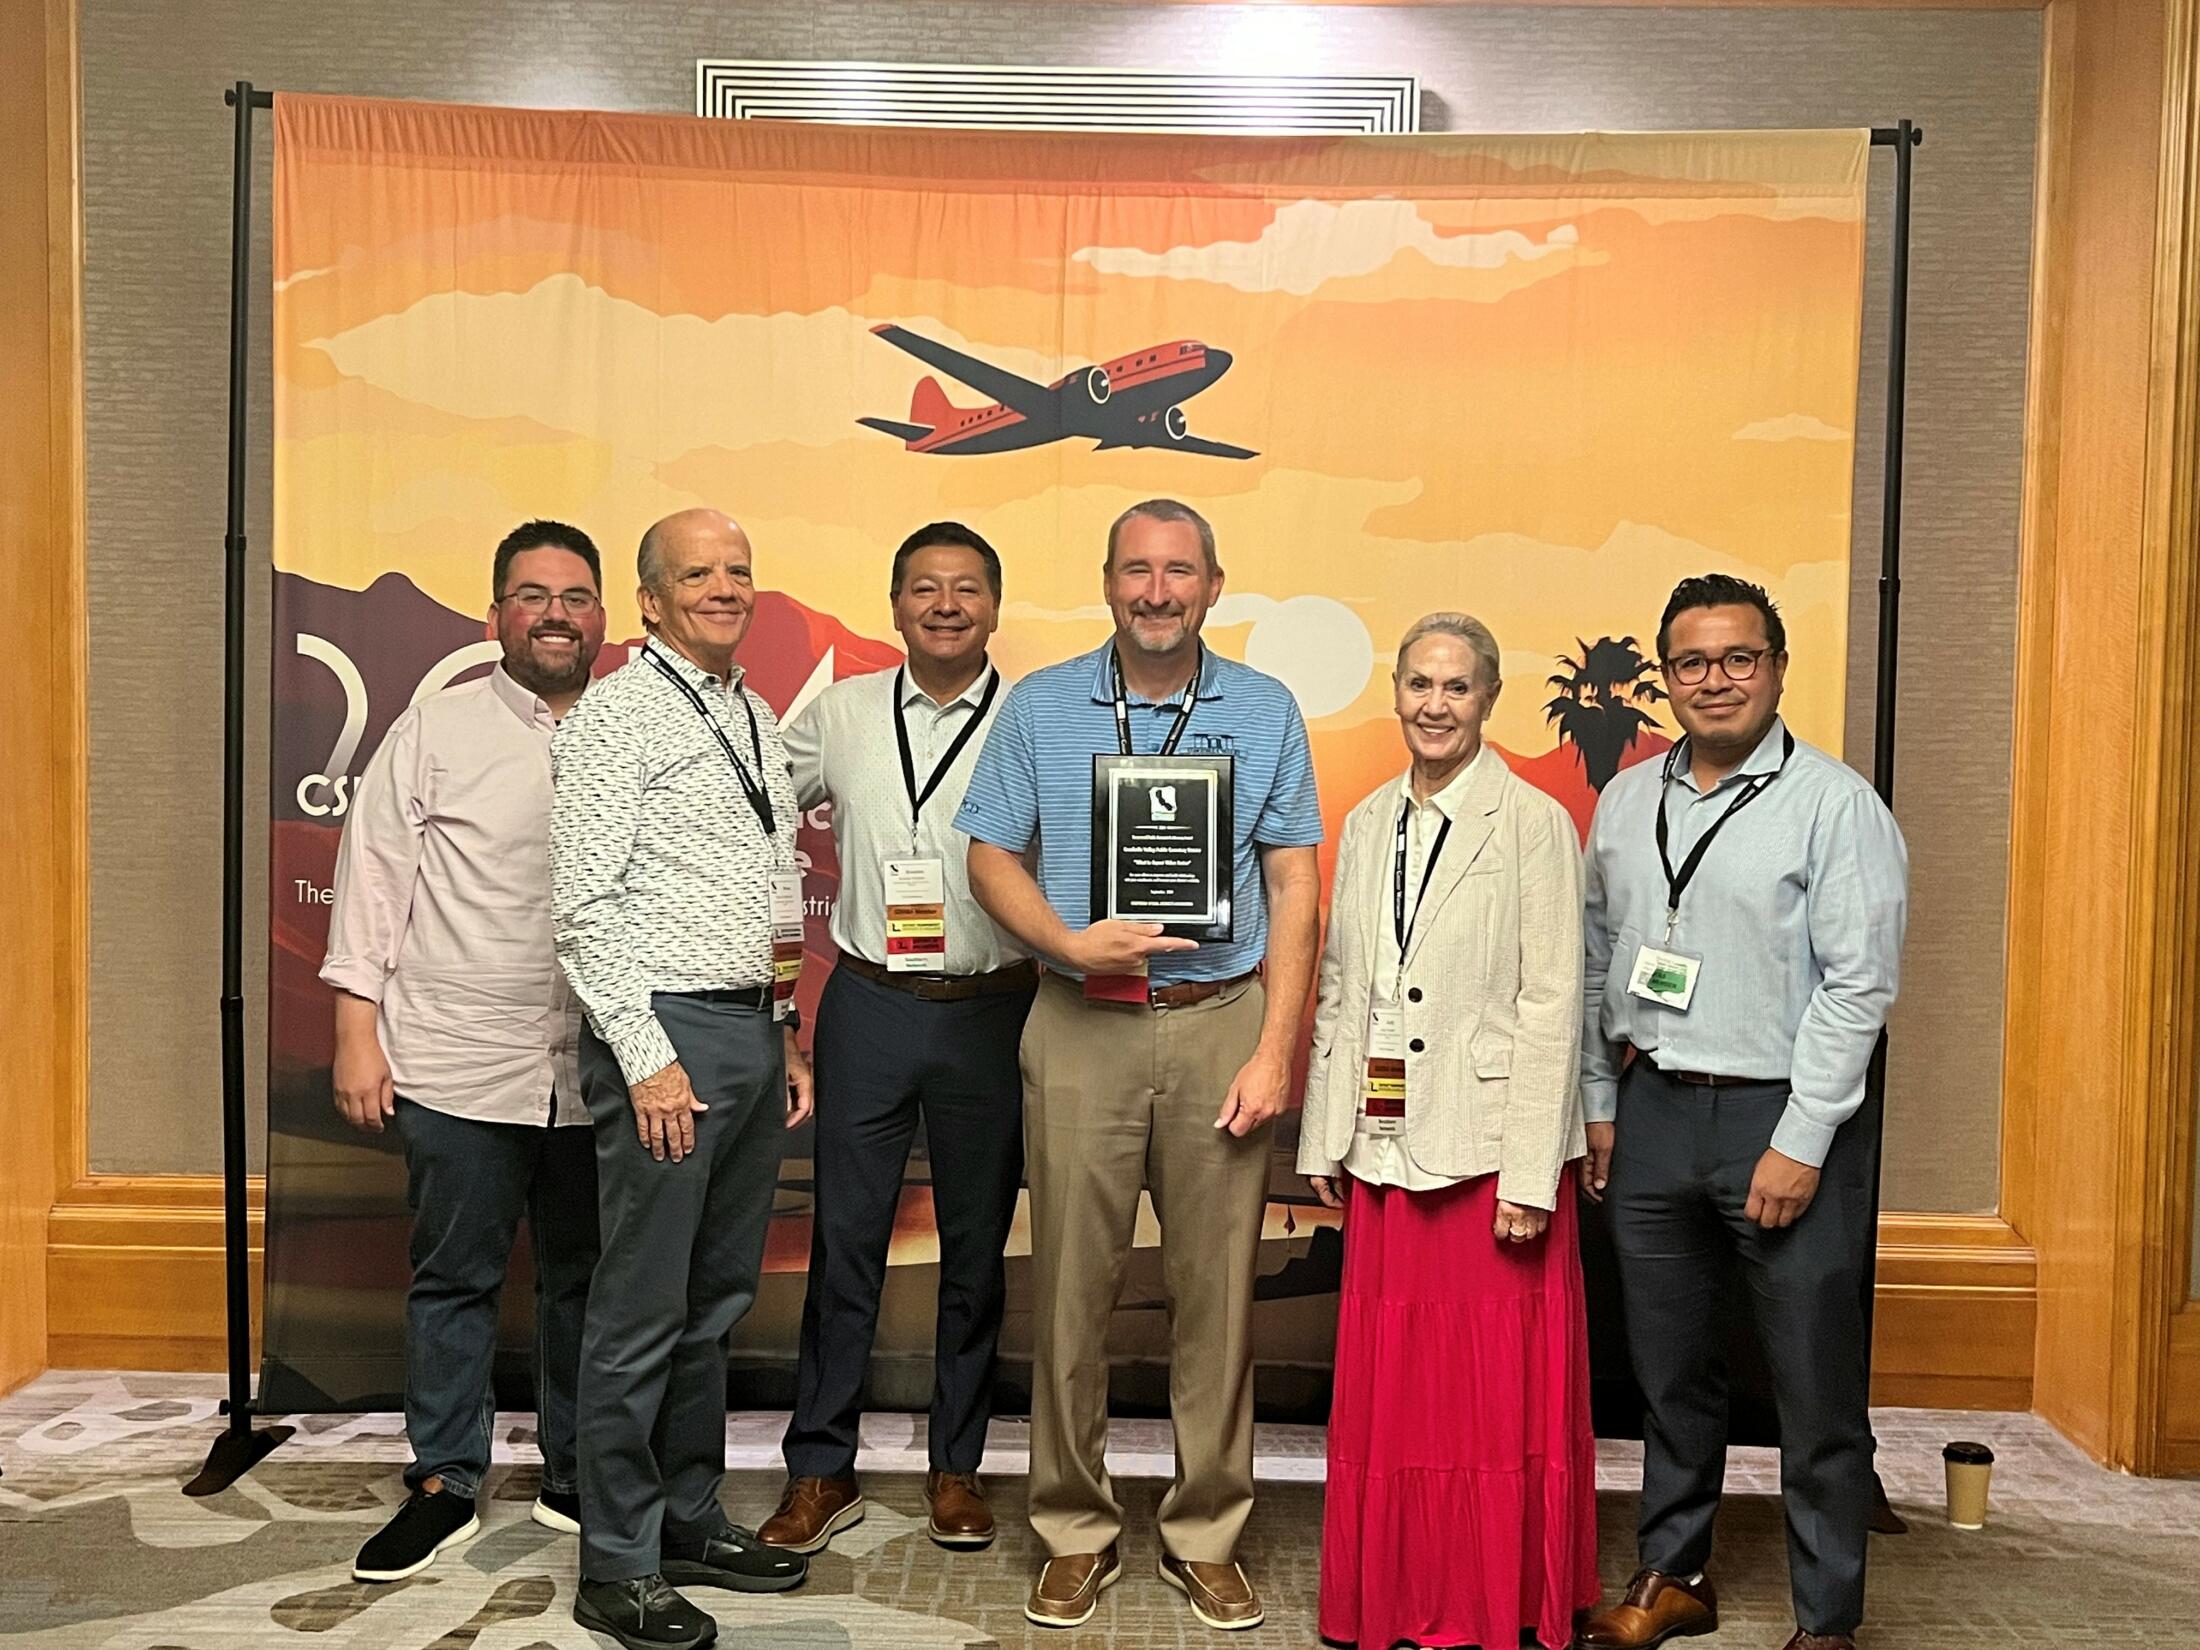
[
  {"x": 42, "y": 842},
  {"x": 1956, "y": 1314},
  {"x": 2102, "y": 1048},
  {"x": 2181, "y": 1394},
  {"x": 136, "y": 1282}
]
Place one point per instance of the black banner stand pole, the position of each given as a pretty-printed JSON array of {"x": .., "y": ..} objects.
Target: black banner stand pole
[
  {"x": 1903, "y": 138},
  {"x": 241, "y": 1445}
]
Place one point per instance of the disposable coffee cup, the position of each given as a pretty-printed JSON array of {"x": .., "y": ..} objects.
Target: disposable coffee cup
[{"x": 1970, "y": 1471}]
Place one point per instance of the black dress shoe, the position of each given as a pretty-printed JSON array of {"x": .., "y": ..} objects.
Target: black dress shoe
[
  {"x": 643, "y": 1614},
  {"x": 734, "y": 1559}
]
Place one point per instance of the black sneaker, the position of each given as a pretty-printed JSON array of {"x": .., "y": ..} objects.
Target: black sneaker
[
  {"x": 558, "y": 1510},
  {"x": 642, "y": 1614},
  {"x": 736, "y": 1560},
  {"x": 428, "y": 1522}
]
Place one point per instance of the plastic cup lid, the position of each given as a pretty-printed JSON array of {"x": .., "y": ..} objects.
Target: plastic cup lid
[{"x": 1969, "y": 1455}]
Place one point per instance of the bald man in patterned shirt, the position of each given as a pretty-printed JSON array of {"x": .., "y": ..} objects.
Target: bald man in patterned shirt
[{"x": 672, "y": 862}]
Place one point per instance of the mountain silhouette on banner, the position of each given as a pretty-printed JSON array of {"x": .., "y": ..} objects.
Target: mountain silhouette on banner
[{"x": 388, "y": 638}]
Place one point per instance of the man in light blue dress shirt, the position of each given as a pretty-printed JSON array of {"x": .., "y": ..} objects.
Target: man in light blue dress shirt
[{"x": 1746, "y": 898}]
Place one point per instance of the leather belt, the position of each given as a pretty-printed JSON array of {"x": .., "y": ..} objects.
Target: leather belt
[
  {"x": 1707, "y": 1079},
  {"x": 1184, "y": 993},
  {"x": 946, "y": 988},
  {"x": 1193, "y": 991},
  {"x": 747, "y": 996}
]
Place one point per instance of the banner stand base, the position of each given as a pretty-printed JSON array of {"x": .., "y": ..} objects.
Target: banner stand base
[{"x": 236, "y": 1452}]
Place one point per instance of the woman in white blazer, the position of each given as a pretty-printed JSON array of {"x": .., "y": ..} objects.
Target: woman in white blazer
[{"x": 1442, "y": 1117}]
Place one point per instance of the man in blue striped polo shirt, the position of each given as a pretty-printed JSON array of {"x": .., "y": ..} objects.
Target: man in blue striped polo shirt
[{"x": 1166, "y": 1082}]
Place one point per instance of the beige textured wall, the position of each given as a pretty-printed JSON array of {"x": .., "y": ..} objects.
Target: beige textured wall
[{"x": 157, "y": 208}]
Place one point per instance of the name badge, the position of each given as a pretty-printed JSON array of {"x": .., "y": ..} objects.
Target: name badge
[
  {"x": 916, "y": 916},
  {"x": 1383, "y": 1090},
  {"x": 786, "y": 940},
  {"x": 1664, "y": 977}
]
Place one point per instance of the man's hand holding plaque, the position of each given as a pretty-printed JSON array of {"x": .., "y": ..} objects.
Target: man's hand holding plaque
[{"x": 1121, "y": 947}]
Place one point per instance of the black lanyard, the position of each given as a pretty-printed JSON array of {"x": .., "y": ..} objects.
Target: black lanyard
[
  {"x": 1183, "y": 711},
  {"x": 752, "y": 786},
  {"x": 1675, "y": 886},
  {"x": 917, "y": 798},
  {"x": 1399, "y": 919}
]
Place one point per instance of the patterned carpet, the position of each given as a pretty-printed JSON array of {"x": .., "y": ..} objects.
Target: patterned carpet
[{"x": 98, "y": 1551}]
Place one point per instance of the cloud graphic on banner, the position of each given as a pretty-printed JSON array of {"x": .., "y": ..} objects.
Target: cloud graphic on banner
[
  {"x": 570, "y": 355},
  {"x": 1315, "y": 645},
  {"x": 1794, "y": 427},
  {"x": 1312, "y": 242}
]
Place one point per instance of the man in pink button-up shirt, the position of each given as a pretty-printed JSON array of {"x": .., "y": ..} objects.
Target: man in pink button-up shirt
[{"x": 454, "y": 1021}]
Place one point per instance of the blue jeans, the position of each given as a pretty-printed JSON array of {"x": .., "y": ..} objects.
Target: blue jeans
[{"x": 468, "y": 1183}]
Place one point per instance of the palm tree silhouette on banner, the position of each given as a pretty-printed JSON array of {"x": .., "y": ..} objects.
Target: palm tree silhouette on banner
[{"x": 1596, "y": 705}]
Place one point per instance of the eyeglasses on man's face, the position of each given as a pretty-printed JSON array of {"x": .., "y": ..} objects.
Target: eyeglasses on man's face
[
  {"x": 532, "y": 598},
  {"x": 1736, "y": 664}
]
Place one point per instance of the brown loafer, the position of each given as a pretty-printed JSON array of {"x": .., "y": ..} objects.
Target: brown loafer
[
  {"x": 1220, "y": 1594},
  {"x": 1656, "y": 1607},
  {"x": 960, "y": 1516},
  {"x": 811, "y": 1511},
  {"x": 1068, "y": 1589},
  {"x": 1820, "y": 1641}
]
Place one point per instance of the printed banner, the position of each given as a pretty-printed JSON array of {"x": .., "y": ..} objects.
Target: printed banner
[{"x": 1534, "y": 378}]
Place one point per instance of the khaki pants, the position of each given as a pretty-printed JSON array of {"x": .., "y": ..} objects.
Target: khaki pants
[{"x": 1119, "y": 1097}]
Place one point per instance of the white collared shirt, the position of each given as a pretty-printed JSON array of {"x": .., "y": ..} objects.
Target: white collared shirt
[
  {"x": 845, "y": 752},
  {"x": 441, "y": 910},
  {"x": 660, "y": 870},
  {"x": 1386, "y": 1159}
]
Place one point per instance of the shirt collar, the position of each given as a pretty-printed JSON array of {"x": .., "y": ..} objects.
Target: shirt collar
[
  {"x": 524, "y": 703},
  {"x": 971, "y": 695},
  {"x": 1765, "y": 759},
  {"x": 1103, "y": 679},
  {"x": 1451, "y": 801},
  {"x": 691, "y": 672}
]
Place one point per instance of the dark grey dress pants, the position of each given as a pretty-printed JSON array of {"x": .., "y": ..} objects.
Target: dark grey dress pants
[
  {"x": 683, "y": 1244},
  {"x": 1680, "y": 1176},
  {"x": 882, "y": 1058}
]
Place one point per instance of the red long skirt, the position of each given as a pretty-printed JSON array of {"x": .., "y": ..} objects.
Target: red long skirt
[{"x": 1461, "y": 1506}]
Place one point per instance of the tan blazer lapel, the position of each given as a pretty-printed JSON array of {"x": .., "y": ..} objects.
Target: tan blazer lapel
[
  {"x": 1470, "y": 834},
  {"x": 1374, "y": 875}
]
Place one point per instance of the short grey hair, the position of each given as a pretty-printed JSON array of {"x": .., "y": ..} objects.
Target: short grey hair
[
  {"x": 649, "y": 559},
  {"x": 1165, "y": 509},
  {"x": 1467, "y": 628}
]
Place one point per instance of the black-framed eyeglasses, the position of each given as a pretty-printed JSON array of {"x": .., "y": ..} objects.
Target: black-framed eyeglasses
[
  {"x": 1736, "y": 664},
  {"x": 532, "y": 598}
]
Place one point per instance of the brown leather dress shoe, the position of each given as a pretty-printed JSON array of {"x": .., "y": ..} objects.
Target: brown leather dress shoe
[
  {"x": 960, "y": 1516},
  {"x": 1068, "y": 1589},
  {"x": 1655, "y": 1608},
  {"x": 811, "y": 1511},
  {"x": 1820, "y": 1641},
  {"x": 1221, "y": 1595}
]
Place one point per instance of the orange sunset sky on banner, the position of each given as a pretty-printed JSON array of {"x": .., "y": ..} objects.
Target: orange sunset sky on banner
[{"x": 1536, "y": 378}]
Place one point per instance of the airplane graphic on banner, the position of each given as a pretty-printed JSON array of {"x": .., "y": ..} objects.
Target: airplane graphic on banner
[{"x": 1135, "y": 401}]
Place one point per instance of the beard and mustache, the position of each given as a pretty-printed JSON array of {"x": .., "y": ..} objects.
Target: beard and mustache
[
  {"x": 540, "y": 676},
  {"x": 1150, "y": 644}
]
